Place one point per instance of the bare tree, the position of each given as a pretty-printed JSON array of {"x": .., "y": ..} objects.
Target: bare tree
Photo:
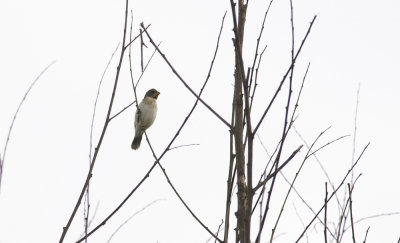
[{"x": 242, "y": 129}]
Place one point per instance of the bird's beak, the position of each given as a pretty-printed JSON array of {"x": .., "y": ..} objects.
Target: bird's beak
[{"x": 158, "y": 93}]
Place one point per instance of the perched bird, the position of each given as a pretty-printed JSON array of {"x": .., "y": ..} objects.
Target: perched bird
[{"x": 145, "y": 116}]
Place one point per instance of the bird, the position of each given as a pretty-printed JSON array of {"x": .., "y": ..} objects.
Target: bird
[{"x": 145, "y": 116}]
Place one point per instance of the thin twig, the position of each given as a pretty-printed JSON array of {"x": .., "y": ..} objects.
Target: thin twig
[
  {"x": 145, "y": 67},
  {"x": 342, "y": 221},
  {"x": 344, "y": 216},
  {"x": 257, "y": 46},
  {"x": 355, "y": 131},
  {"x": 133, "y": 40},
  {"x": 262, "y": 196},
  {"x": 2, "y": 159},
  {"x": 132, "y": 216},
  {"x": 327, "y": 144},
  {"x": 184, "y": 145},
  {"x": 119, "y": 112},
  {"x": 263, "y": 175},
  {"x": 130, "y": 64},
  {"x": 88, "y": 177},
  {"x": 130, "y": 59},
  {"x": 326, "y": 213},
  {"x": 334, "y": 192},
  {"x": 301, "y": 220},
  {"x": 259, "y": 59},
  {"x": 351, "y": 213},
  {"x": 366, "y": 234},
  {"x": 87, "y": 198},
  {"x": 262, "y": 183},
  {"x": 371, "y": 217},
  {"x": 231, "y": 176},
  {"x": 285, "y": 76},
  {"x": 141, "y": 49},
  {"x": 91, "y": 219},
  {"x": 300, "y": 92},
  {"x": 219, "y": 227},
  {"x": 269, "y": 160},
  {"x": 256, "y": 77}
]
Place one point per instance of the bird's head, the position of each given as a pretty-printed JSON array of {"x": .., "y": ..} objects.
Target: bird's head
[{"x": 153, "y": 93}]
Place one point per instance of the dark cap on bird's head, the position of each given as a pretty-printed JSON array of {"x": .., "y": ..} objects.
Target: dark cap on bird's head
[{"x": 153, "y": 93}]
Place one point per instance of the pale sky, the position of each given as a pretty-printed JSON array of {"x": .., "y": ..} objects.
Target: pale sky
[{"x": 352, "y": 44}]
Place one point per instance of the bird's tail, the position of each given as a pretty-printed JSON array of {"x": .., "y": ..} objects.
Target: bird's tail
[{"x": 136, "y": 141}]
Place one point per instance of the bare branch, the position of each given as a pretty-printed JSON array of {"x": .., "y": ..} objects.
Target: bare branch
[
  {"x": 184, "y": 145},
  {"x": 145, "y": 67},
  {"x": 298, "y": 97},
  {"x": 141, "y": 49},
  {"x": 366, "y": 234},
  {"x": 177, "y": 193},
  {"x": 219, "y": 227},
  {"x": 328, "y": 143},
  {"x": 256, "y": 77},
  {"x": 133, "y": 40},
  {"x": 87, "y": 199},
  {"x": 2, "y": 159},
  {"x": 326, "y": 213},
  {"x": 262, "y": 183},
  {"x": 257, "y": 46},
  {"x": 91, "y": 219},
  {"x": 231, "y": 176},
  {"x": 351, "y": 212},
  {"x": 123, "y": 109},
  {"x": 182, "y": 80},
  {"x": 301, "y": 220},
  {"x": 355, "y": 130},
  {"x": 131, "y": 217},
  {"x": 344, "y": 215},
  {"x": 373, "y": 216}
]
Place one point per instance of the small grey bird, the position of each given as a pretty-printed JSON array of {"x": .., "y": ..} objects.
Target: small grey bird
[{"x": 145, "y": 116}]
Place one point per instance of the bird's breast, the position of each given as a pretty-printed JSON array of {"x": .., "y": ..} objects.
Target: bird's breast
[{"x": 148, "y": 113}]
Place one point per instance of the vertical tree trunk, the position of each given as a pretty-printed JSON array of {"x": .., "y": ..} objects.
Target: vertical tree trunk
[{"x": 242, "y": 224}]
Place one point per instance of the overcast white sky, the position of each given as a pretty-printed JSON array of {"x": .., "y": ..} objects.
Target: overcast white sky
[{"x": 352, "y": 43}]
